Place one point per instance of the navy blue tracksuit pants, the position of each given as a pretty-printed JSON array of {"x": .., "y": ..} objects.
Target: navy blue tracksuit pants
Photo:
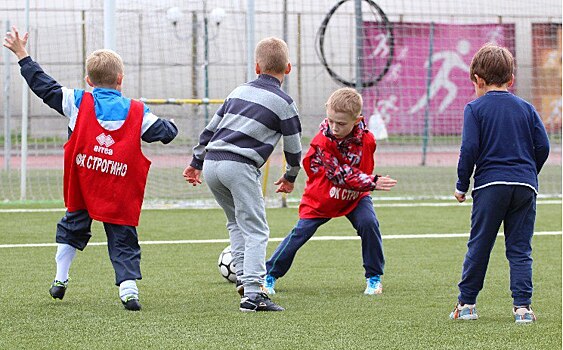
[
  {"x": 363, "y": 219},
  {"x": 515, "y": 205},
  {"x": 123, "y": 243}
]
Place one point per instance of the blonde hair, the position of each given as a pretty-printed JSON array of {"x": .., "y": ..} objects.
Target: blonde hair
[
  {"x": 346, "y": 100},
  {"x": 492, "y": 63},
  {"x": 272, "y": 55},
  {"x": 103, "y": 67}
]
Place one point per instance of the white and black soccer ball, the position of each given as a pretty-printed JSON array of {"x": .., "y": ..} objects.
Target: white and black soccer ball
[{"x": 226, "y": 266}]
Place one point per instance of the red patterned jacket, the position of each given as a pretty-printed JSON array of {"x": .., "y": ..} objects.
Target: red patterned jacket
[{"x": 339, "y": 173}]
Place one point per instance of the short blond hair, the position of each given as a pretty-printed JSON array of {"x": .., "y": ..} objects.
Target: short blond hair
[
  {"x": 272, "y": 55},
  {"x": 103, "y": 67},
  {"x": 346, "y": 100}
]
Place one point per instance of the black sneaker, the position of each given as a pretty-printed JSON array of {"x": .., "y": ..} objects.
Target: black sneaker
[
  {"x": 131, "y": 303},
  {"x": 58, "y": 289},
  {"x": 261, "y": 303}
]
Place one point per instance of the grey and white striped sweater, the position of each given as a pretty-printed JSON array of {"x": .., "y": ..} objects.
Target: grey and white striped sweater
[{"x": 248, "y": 126}]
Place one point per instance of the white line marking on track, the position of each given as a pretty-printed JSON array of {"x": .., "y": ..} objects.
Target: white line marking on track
[
  {"x": 278, "y": 239},
  {"x": 376, "y": 204}
]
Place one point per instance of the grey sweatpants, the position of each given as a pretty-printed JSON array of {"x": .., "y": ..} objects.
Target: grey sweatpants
[{"x": 236, "y": 187}]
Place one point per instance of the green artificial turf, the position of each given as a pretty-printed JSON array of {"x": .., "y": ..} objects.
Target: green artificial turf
[{"x": 188, "y": 305}]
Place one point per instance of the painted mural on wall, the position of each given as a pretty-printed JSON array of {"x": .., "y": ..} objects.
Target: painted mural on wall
[{"x": 427, "y": 84}]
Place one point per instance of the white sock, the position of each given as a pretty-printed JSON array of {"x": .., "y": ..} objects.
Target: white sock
[
  {"x": 128, "y": 288},
  {"x": 65, "y": 255}
]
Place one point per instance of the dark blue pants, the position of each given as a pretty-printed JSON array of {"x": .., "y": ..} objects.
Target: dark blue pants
[
  {"x": 492, "y": 205},
  {"x": 123, "y": 243},
  {"x": 363, "y": 219}
]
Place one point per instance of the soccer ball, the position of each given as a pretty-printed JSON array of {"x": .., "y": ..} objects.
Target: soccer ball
[{"x": 226, "y": 266}]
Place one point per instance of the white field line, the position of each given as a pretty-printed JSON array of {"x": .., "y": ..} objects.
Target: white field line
[
  {"x": 377, "y": 205},
  {"x": 314, "y": 238}
]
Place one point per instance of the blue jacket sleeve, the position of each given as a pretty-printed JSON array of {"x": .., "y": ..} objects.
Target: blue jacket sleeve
[
  {"x": 541, "y": 142},
  {"x": 469, "y": 150},
  {"x": 42, "y": 85},
  {"x": 162, "y": 130}
]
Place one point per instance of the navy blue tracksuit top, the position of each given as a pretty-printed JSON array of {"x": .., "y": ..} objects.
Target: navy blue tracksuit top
[{"x": 504, "y": 140}]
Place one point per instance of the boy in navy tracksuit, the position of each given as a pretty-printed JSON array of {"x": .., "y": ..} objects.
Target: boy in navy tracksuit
[
  {"x": 505, "y": 141},
  {"x": 105, "y": 170}
]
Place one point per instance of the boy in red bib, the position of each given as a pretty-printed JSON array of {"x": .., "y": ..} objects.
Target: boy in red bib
[
  {"x": 339, "y": 166},
  {"x": 105, "y": 171}
]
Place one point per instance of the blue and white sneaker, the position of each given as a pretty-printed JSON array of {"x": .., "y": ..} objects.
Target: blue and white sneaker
[
  {"x": 269, "y": 284},
  {"x": 523, "y": 314},
  {"x": 464, "y": 312},
  {"x": 374, "y": 285}
]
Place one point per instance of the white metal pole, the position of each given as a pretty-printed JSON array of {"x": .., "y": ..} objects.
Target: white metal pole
[
  {"x": 25, "y": 116},
  {"x": 359, "y": 43},
  {"x": 109, "y": 24},
  {"x": 250, "y": 18},
  {"x": 7, "y": 131}
]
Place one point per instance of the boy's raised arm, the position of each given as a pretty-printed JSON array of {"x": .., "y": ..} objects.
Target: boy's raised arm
[
  {"x": 42, "y": 85},
  {"x": 14, "y": 43}
]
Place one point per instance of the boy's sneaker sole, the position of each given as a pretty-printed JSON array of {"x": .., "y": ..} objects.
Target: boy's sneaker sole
[
  {"x": 464, "y": 317},
  {"x": 262, "y": 303}
]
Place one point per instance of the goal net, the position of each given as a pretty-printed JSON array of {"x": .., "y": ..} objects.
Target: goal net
[{"x": 410, "y": 61}]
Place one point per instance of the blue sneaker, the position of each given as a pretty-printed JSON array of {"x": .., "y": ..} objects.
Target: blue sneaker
[
  {"x": 464, "y": 312},
  {"x": 374, "y": 285},
  {"x": 523, "y": 314},
  {"x": 269, "y": 284}
]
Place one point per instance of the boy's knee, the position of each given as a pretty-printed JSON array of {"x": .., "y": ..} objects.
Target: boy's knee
[{"x": 367, "y": 227}]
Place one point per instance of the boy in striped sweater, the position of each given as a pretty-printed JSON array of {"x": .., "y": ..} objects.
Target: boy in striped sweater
[{"x": 234, "y": 145}]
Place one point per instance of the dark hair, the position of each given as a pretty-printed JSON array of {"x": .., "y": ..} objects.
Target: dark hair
[{"x": 492, "y": 63}]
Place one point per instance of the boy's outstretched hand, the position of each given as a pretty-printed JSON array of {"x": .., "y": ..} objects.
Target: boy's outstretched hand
[
  {"x": 14, "y": 43},
  {"x": 385, "y": 183},
  {"x": 284, "y": 185},
  {"x": 191, "y": 175}
]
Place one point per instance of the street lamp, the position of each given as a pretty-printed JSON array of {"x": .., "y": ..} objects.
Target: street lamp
[{"x": 216, "y": 16}]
